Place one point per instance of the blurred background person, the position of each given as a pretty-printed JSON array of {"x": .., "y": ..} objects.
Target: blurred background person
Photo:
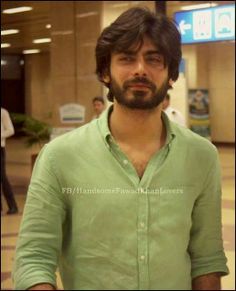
[
  {"x": 98, "y": 106},
  {"x": 7, "y": 130},
  {"x": 173, "y": 114}
]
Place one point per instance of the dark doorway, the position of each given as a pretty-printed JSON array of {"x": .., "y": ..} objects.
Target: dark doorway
[{"x": 12, "y": 83}]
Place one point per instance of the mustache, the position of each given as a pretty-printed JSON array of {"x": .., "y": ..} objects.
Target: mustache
[{"x": 139, "y": 80}]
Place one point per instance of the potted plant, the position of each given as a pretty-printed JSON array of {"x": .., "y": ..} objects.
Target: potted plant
[{"x": 36, "y": 132}]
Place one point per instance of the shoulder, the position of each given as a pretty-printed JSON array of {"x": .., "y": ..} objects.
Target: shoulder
[
  {"x": 5, "y": 116},
  {"x": 4, "y": 111},
  {"x": 197, "y": 146},
  {"x": 77, "y": 138}
]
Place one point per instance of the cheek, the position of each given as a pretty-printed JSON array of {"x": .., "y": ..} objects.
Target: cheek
[
  {"x": 160, "y": 79},
  {"x": 119, "y": 73}
]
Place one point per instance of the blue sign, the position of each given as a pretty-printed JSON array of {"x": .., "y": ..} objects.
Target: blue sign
[{"x": 204, "y": 25}]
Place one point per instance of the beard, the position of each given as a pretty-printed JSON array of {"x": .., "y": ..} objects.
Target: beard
[{"x": 142, "y": 98}]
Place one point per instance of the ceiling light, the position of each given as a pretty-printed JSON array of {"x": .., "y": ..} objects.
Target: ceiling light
[
  {"x": 33, "y": 51},
  {"x": 81, "y": 15},
  {"x": 119, "y": 5},
  {"x": 42, "y": 40},
  {"x": 198, "y": 6},
  {"x": 62, "y": 32},
  {"x": 17, "y": 10},
  {"x": 48, "y": 26},
  {"x": 9, "y": 31},
  {"x": 4, "y": 45},
  {"x": 3, "y": 62}
]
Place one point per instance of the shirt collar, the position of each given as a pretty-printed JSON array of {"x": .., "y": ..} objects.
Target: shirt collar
[
  {"x": 170, "y": 128},
  {"x": 103, "y": 123}
]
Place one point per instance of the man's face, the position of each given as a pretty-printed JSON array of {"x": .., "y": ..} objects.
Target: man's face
[
  {"x": 98, "y": 107},
  {"x": 139, "y": 79}
]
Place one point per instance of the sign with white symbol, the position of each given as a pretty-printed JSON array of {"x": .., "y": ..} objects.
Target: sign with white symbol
[
  {"x": 202, "y": 25},
  {"x": 205, "y": 25},
  {"x": 224, "y": 23},
  {"x": 184, "y": 26},
  {"x": 72, "y": 113}
]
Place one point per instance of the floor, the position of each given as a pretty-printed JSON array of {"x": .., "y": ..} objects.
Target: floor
[{"x": 19, "y": 176}]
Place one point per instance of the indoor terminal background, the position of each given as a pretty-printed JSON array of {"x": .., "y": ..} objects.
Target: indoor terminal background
[{"x": 62, "y": 71}]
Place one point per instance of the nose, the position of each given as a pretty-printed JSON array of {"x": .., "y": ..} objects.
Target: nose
[{"x": 140, "y": 68}]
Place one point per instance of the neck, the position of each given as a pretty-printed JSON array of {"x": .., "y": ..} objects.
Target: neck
[{"x": 137, "y": 127}]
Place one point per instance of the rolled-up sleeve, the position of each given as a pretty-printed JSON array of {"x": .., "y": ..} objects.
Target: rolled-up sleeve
[
  {"x": 206, "y": 244},
  {"x": 40, "y": 237}
]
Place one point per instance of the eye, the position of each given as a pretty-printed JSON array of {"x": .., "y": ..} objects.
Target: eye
[
  {"x": 126, "y": 58},
  {"x": 153, "y": 59}
]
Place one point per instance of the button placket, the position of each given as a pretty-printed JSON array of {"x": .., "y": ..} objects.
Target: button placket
[
  {"x": 142, "y": 225},
  {"x": 142, "y": 233}
]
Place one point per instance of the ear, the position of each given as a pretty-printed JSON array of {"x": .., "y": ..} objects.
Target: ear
[
  {"x": 106, "y": 79},
  {"x": 171, "y": 82}
]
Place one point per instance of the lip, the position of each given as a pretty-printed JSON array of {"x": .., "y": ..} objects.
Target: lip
[{"x": 139, "y": 86}]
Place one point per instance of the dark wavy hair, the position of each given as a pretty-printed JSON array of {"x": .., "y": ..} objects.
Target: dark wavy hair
[
  {"x": 98, "y": 98},
  {"x": 129, "y": 29}
]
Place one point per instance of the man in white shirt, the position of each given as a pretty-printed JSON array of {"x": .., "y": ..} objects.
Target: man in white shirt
[
  {"x": 98, "y": 106},
  {"x": 173, "y": 114},
  {"x": 7, "y": 130}
]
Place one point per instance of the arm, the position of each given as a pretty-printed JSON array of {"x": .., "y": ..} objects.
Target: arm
[
  {"x": 207, "y": 282},
  {"x": 8, "y": 129},
  {"x": 40, "y": 237},
  {"x": 42, "y": 287},
  {"x": 206, "y": 243}
]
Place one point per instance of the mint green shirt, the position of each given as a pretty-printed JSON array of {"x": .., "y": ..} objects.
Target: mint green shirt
[{"x": 88, "y": 213}]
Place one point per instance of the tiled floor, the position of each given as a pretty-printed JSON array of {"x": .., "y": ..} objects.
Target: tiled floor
[{"x": 19, "y": 175}]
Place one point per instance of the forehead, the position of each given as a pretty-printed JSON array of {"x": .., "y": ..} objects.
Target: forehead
[
  {"x": 96, "y": 102},
  {"x": 145, "y": 44},
  {"x": 141, "y": 46}
]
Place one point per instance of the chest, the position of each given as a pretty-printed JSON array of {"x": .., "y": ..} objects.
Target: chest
[
  {"x": 139, "y": 158},
  {"x": 140, "y": 163}
]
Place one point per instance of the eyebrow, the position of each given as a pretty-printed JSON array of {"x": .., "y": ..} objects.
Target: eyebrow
[
  {"x": 131, "y": 53},
  {"x": 156, "y": 52}
]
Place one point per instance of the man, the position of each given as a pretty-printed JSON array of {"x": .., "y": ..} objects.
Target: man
[
  {"x": 172, "y": 113},
  {"x": 7, "y": 130},
  {"x": 98, "y": 106},
  {"x": 130, "y": 200}
]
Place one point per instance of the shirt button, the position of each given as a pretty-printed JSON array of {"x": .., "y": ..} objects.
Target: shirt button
[
  {"x": 125, "y": 162},
  {"x": 142, "y": 258}
]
